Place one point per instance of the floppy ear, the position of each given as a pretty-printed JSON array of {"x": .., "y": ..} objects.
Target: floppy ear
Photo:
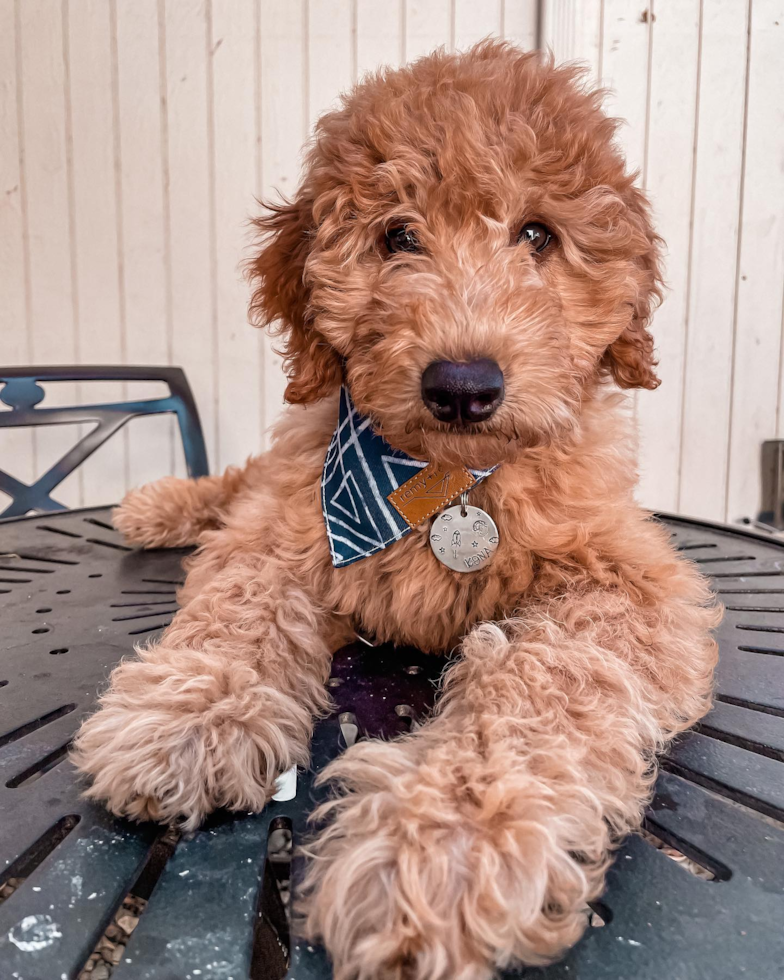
[
  {"x": 630, "y": 359},
  {"x": 281, "y": 299}
]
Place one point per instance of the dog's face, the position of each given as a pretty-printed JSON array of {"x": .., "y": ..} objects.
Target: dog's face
[{"x": 467, "y": 253}]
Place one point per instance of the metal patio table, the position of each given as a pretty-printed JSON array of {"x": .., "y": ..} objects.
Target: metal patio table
[{"x": 74, "y": 599}]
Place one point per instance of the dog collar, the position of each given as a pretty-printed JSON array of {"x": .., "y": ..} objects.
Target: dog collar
[{"x": 373, "y": 494}]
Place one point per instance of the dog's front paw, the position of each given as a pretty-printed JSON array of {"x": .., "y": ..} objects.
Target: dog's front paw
[
  {"x": 431, "y": 869},
  {"x": 168, "y": 513},
  {"x": 171, "y": 747}
]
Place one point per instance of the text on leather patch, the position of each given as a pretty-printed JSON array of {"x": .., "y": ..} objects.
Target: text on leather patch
[{"x": 428, "y": 492}]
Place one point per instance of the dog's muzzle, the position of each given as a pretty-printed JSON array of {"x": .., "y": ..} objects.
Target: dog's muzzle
[{"x": 463, "y": 392}]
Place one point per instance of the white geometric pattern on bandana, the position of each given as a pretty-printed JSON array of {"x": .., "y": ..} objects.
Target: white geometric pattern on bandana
[{"x": 361, "y": 469}]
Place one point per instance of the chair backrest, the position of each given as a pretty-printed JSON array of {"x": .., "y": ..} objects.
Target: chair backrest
[{"x": 22, "y": 393}]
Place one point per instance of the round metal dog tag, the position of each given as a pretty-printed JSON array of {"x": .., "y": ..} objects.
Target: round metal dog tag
[{"x": 464, "y": 538}]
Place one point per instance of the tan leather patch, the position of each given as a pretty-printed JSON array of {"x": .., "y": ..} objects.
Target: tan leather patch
[{"x": 428, "y": 492}]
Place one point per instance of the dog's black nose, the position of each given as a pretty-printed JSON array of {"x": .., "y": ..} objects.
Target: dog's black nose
[{"x": 463, "y": 392}]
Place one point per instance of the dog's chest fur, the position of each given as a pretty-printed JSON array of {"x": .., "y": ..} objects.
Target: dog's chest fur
[
  {"x": 551, "y": 532},
  {"x": 405, "y": 595}
]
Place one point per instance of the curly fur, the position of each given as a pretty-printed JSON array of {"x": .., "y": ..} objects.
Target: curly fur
[{"x": 475, "y": 842}]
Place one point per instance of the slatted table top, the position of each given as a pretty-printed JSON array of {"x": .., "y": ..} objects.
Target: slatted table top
[{"x": 74, "y": 600}]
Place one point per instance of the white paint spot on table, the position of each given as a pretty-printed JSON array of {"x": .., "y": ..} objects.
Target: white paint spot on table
[
  {"x": 286, "y": 785},
  {"x": 34, "y": 932}
]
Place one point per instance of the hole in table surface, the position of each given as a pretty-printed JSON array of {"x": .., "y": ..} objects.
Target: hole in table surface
[
  {"x": 768, "y": 651},
  {"x": 749, "y": 591},
  {"x": 751, "y": 705},
  {"x": 761, "y": 609},
  {"x": 741, "y": 575},
  {"x": 685, "y": 855},
  {"x": 39, "y": 768},
  {"x": 42, "y": 629},
  {"x": 111, "y": 946},
  {"x": 110, "y": 544},
  {"x": 145, "y": 615},
  {"x": 24, "y": 570},
  {"x": 95, "y": 575},
  {"x": 140, "y": 602},
  {"x": 740, "y": 741},
  {"x": 407, "y": 716},
  {"x": 271, "y": 941},
  {"x": 349, "y": 729},
  {"x": 600, "y": 914},
  {"x": 718, "y": 558},
  {"x": 47, "y": 559},
  {"x": 36, "y": 723},
  {"x": 149, "y": 629},
  {"x": 58, "y": 530},
  {"x": 63, "y": 591},
  {"x": 44, "y": 609},
  {"x": 721, "y": 789},
  {"x": 148, "y": 592},
  {"x": 58, "y": 651},
  {"x": 39, "y": 850},
  {"x": 97, "y": 523}
]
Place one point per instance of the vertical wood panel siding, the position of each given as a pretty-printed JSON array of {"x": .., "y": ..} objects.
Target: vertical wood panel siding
[
  {"x": 15, "y": 336},
  {"x": 700, "y": 85},
  {"x": 42, "y": 122},
  {"x": 94, "y": 203},
  {"x": 136, "y": 135}
]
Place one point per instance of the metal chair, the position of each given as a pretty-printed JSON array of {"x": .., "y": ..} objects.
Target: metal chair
[{"x": 23, "y": 393}]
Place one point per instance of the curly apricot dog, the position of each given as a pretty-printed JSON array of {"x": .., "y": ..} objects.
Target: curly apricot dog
[{"x": 468, "y": 259}]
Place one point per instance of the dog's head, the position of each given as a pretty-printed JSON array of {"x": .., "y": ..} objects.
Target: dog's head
[{"x": 467, "y": 252}]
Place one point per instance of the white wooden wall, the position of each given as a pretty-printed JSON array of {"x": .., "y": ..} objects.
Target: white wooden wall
[
  {"x": 135, "y": 134},
  {"x": 700, "y": 84}
]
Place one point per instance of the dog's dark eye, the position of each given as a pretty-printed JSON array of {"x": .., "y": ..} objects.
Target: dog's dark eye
[
  {"x": 401, "y": 238},
  {"x": 537, "y": 235}
]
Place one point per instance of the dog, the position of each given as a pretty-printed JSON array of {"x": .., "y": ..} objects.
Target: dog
[{"x": 468, "y": 270}]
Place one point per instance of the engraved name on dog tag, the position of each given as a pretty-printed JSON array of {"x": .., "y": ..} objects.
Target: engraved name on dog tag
[{"x": 464, "y": 538}]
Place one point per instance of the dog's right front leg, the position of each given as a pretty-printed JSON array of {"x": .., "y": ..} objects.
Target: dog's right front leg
[{"x": 219, "y": 707}]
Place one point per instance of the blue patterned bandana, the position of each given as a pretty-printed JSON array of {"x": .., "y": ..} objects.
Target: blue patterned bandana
[{"x": 366, "y": 483}]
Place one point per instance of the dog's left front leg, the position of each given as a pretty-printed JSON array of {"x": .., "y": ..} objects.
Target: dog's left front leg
[{"x": 477, "y": 841}]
